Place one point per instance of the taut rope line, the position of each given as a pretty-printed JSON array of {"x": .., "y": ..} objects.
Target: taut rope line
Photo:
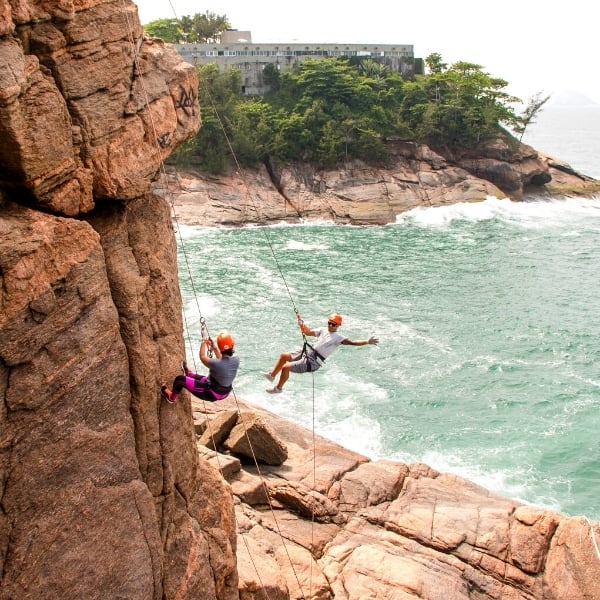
[
  {"x": 271, "y": 247},
  {"x": 249, "y": 195},
  {"x": 138, "y": 71},
  {"x": 202, "y": 320}
]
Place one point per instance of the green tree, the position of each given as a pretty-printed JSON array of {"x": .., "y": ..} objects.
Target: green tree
[
  {"x": 254, "y": 123},
  {"x": 329, "y": 110},
  {"x": 373, "y": 69},
  {"x": 219, "y": 95},
  {"x": 531, "y": 111},
  {"x": 271, "y": 77},
  {"x": 201, "y": 28},
  {"x": 168, "y": 30},
  {"x": 187, "y": 26},
  {"x": 345, "y": 107},
  {"x": 460, "y": 105},
  {"x": 435, "y": 64},
  {"x": 208, "y": 26}
]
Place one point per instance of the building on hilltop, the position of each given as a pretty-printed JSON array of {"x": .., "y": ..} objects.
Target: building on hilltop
[{"x": 236, "y": 50}]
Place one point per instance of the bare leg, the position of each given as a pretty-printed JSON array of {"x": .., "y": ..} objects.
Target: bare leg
[
  {"x": 283, "y": 358},
  {"x": 285, "y": 373}
]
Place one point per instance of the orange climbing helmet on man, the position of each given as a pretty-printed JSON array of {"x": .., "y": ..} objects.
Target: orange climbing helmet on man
[
  {"x": 225, "y": 341},
  {"x": 335, "y": 318}
]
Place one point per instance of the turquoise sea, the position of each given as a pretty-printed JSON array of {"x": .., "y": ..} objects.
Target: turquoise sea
[{"x": 488, "y": 319}]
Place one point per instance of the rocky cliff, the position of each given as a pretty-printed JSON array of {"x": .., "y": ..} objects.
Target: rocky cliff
[
  {"x": 361, "y": 194},
  {"x": 327, "y": 523},
  {"x": 107, "y": 492},
  {"x": 102, "y": 494}
]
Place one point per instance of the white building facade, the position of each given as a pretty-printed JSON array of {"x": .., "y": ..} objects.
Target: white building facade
[{"x": 236, "y": 50}]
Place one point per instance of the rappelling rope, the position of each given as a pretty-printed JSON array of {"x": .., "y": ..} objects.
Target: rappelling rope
[
  {"x": 202, "y": 320},
  {"x": 593, "y": 536},
  {"x": 140, "y": 79},
  {"x": 249, "y": 195},
  {"x": 281, "y": 273}
]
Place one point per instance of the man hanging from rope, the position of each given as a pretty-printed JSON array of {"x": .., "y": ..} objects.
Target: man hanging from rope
[
  {"x": 222, "y": 370},
  {"x": 311, "y": 357}
]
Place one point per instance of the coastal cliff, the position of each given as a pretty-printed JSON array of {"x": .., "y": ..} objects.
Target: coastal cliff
[
  {"x": 326, "y": 523},
  {"x": 102, "y": 494},
  {"x": 362, "y": 194},
  {"x": 108, "y": 492}
]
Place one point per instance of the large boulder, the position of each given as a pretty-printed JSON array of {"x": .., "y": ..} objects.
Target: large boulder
[{"x": 253, "y": 438}]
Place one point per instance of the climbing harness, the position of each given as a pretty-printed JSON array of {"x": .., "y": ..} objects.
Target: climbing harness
[{"x": 310, "y": 354}]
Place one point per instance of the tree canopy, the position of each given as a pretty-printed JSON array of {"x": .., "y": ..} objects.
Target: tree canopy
[
  {"x": 328, "y": 110},
  {"x": 168, "y": 30},
  {"x": 201, "y": 28}
]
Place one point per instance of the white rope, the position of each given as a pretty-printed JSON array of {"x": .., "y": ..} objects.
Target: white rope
[
  {"x": 593, "y": 536},
  {"x": 135, "y": 50}
]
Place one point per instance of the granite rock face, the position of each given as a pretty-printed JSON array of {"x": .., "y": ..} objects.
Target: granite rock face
[
  {"x": 330, "y": 523},
  {"x": 102, "y": 494},
  {"x": 89, "y": 108}
]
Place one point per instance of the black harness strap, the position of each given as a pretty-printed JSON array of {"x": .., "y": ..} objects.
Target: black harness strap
[
  {"x": 218, "y": 388},
  {"x": 308, "y": 357}
]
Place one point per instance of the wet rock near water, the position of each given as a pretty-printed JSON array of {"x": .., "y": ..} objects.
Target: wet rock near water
[
  {"x": 329, "y": 523},
  {"x": 360, "y": 194}
]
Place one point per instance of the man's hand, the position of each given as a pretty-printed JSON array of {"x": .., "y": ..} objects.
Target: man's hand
[
  {"x": 373, "y": 340},
  {"x": 303, "y": 328}
]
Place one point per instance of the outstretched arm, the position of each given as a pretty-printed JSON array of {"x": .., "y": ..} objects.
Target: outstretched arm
[{"x": 373, "y": 341}]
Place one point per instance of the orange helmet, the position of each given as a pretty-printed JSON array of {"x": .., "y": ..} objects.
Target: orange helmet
[
  {"x": 335, "y": 318},
  {"x": 225, "y": 341}
]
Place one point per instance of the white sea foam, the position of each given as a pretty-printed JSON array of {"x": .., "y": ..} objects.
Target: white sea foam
[
  {"x": 202, "y": 305},
  {"x": 271, "y": 280},
  {"x": 297, "y": 245},
  {"x": 189, "y": 231},
  {"x": 532, "y": 214},
  {"x": 501, "y": 480},
  {"x": 483, "y": 349},
  {"x": 355, "y": 432}
]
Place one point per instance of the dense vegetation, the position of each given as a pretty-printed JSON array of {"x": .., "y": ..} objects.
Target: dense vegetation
[
  {"x": 201, "y": 28},
  {"x": 328, "y": 110}
]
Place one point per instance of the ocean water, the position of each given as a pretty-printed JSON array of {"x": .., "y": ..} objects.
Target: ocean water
[
  {"x": 488, "y": 319},
  {"x": 571, "y": 134}
]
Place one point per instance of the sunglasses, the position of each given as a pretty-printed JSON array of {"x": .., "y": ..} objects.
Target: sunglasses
[{"x": 332, "y": 323}]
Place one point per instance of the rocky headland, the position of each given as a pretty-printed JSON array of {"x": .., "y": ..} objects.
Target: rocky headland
[
  {"x": 361, "y": 194},
  {"x": 108, "y": 492}
]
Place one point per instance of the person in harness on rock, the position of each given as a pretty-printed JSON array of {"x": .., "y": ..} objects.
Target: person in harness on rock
[
  {"x": 222, "y": 370},
  {"x": 311, "y": 357}
]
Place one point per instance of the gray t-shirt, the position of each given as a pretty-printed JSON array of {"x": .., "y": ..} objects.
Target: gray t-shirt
[
  {"x": 223, "y": 370},
  {"x": 327, "y": 341}
]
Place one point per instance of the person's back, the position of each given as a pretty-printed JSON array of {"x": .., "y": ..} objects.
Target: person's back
[{"x": 222, "y": 370}]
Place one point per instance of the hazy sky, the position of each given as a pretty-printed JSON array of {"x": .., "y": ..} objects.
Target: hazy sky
[{"x": 535, "y": 46}]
